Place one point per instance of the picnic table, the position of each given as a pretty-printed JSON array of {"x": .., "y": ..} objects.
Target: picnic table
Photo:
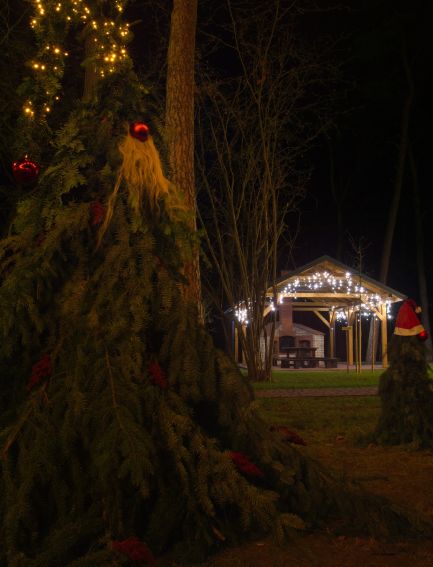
[{"x": 303, "y": 357}]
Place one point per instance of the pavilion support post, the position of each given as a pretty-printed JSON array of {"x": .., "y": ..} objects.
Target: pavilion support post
[
  {"x": 332, "y": 319},
  {"x": 352, "y": 321},
  {"x": 357, "y": 357},
  {"x": 384, "y": 335},
  {"x": 359, "y": 341},
  {"x": 244, "y": 332},
  {"x": 349, "y": 343},
  {"x": 236, "y": 344}
]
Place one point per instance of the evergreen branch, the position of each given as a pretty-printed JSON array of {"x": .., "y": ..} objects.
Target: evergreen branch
[
  {"x": 20, "y": 424},
  {"x": 113, "y": 392}
]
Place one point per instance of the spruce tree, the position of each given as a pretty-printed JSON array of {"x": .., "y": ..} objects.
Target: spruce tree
[
  {"x": 405, "y": 388},
  {"x": 123, "y": 431}
]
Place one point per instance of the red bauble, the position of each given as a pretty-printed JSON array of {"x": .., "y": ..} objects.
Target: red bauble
[
  {"x": 134, "y": 549},
  {"x": 244, "y": 465},
  {"x": 97, "y": 213},
  {"x": 157, "y": 375},
  {"x": 139, "y": 130},
  {"x": 25, "y": 171},
  {"x": 287, "y": 435},
  {"x": 41, "y": 370},
  {"x": 423, "y": 335}
]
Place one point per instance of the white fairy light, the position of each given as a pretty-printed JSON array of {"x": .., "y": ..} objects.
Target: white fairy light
[{"x": 335, "y": 284}]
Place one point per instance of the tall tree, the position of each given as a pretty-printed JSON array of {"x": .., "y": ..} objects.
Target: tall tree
[
  {"x": 398, "y": 31},
  {"x": 405, "y": 387},
  {"x": 179, "y": 118},
  {"x": 16, "y": 46},
  {"x": 400, "y": 169},
  {"x": 258, "y": 117},
  {"x": 420, "y": 255}
]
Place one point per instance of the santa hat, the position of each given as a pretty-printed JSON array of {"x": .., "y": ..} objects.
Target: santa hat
[{"x": 407, "y": 323}]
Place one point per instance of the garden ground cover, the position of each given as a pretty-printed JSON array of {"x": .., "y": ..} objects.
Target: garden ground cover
[
  {"x": 331, "y": 427},
  {"x": 290, "y": 379}
]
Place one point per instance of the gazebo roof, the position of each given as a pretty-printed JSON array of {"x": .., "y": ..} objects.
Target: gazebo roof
[{"x": 334, "y": 284}]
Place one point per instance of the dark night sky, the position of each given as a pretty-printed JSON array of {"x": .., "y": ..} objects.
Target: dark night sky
[
  {"x": 365, "y": 140},
  {"x": 366, "y": 144}
]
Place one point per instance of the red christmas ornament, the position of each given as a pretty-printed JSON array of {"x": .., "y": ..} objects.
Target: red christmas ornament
[
  {"x": 157, "y": 375},
  {"x": 25, "y": 171},
  {"x": 287, "y": 435},
  {"x": 97, "y": 213},
  {"x": 244, "y": 465},
  {"x": 134, "y": 549},
  {"x": 40, "y": 371},
  {"x": 139, "y": 130}
]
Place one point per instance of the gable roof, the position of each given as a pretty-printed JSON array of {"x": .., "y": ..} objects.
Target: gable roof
[{"x": 330, "y": 280}]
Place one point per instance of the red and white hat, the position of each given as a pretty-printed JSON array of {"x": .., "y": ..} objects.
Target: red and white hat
[{"x": 407, "y": 323}]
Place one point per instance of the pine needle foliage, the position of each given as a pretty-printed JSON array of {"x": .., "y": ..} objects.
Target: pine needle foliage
[
  {"x": 406, "y": 393},
  {"x": 132, "y": 428}
]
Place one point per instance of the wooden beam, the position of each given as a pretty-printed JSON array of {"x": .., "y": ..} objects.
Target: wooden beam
[
  {"x": 312, "y": 308},
  {"x": 377, "y": 312},
  {"x": 314, "y": 294},
  {"x": 324, "y": 304},
  {"x": 266, "y": 310},
  {"x": 321, "y": 317}
]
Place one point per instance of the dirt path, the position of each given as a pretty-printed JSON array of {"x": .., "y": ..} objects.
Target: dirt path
[{"x": 317, "y": 392}]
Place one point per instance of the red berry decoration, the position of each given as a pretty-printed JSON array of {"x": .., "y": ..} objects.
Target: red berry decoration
[
  {"x": 245, "y": 466},
  {"x": 25, "y": 171},
  {"x": 134, "y": 549},
  {"x": 139, "y": 130},
  {"x": 97, "y": 213},
  {"x": 287, "y": 435},
  {"x": 41, "y": 370},
  {"x": 157, "y": 375}
]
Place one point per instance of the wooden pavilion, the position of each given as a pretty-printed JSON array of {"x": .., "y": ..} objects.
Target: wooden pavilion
[{"x": 332, "y": 291}]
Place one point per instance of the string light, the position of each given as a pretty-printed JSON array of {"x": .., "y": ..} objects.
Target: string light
[
  {"x": 110, "y": 37},
  {"x": 368, "y": 302},
  {"x": 241, "y": 315}
]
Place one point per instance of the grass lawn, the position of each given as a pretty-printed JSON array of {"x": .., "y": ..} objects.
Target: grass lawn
[
  {"x": 330, "y": 427},
  {"x": 320, "y": 379},
  {"x": 322, "y": 420}
]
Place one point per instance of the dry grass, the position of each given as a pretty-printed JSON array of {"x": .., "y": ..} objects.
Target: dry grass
[
  {"x": 331, "y": 427},
  {"x": 288, "y": 379}
]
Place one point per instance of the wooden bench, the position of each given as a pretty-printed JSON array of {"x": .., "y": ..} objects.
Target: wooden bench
[
  {"x": 294, "y": 361},
  {"x": 304, "y": 362}
]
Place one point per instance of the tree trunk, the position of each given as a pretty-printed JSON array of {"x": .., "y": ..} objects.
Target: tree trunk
[
  {"x": 398, "y": 184},
  {"x": 338, "y": 198},
  {"x": 395, "y": 201},
  {"x": 420, "y": 260},
  {"x": 90, "y": 69},
  {"x": 180, "y": 120}
]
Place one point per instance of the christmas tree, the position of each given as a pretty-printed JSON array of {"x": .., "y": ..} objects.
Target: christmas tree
[
  {"x": 124, "y": 432},
  {"x": 405, "y": 387}
]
